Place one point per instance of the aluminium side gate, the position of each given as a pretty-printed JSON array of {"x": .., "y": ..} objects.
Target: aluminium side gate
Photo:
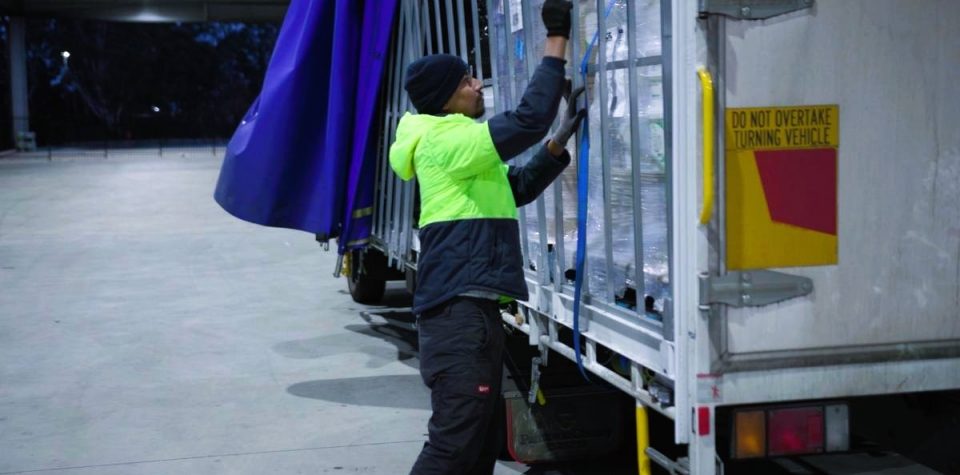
[
  {"x": 424, "y": 27},
  {"x": 621, "y": 50},
  {"x": 627, "y": 292}
]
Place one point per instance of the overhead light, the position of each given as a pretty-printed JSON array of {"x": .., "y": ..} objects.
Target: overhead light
[
  {"x": 65, "y": 55},
  {"x": 149, "y": 16}
]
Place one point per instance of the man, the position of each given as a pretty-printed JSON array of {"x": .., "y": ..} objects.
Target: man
[{"x": 470, "y": 254}]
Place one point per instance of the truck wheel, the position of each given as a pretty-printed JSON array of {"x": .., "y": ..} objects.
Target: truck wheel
[{"x": 363, "y": 287}]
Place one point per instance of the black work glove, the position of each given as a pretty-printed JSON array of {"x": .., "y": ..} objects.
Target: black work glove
[
  {"x": 556, "y": 17},
  {"x": 571, "y": 117}
]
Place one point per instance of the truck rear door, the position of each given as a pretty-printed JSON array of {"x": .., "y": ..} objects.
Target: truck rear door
[{"x": 840, "y": 163}]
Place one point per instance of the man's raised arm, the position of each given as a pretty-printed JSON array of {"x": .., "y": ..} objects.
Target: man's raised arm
[{"x": 517, "y": 130}]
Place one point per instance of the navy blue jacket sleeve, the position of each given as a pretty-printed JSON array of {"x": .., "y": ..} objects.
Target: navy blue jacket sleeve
[
  {"x": 517, "y": 130},
  {"x": 528, "y": 181}
]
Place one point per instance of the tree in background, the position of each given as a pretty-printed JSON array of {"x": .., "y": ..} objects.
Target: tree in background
[{"x": 133, "y": 81}]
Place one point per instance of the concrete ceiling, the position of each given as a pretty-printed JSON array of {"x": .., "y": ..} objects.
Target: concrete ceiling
[{"x": 153, "y": 11}]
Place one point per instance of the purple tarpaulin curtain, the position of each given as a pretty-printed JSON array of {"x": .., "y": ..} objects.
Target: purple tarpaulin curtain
[
  {"x": 358, "y": 216},
  {"x": 302, "y": 156}
]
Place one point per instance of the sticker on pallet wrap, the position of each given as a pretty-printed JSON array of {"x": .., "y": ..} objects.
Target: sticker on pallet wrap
[{"x": 516, "y": 16}]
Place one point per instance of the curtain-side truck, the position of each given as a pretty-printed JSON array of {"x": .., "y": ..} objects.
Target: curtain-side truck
[{"x": 785, "y": 174}]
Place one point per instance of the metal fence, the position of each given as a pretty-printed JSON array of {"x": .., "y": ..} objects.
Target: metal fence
[
  {"x": 63, "y": 137},
  {"x": 105, "y": 150}
]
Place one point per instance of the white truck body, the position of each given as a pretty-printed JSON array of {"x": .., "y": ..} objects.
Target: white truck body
[{"x": 885, "y": 318}]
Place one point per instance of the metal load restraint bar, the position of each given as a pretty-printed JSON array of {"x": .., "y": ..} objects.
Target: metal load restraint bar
[
  {"x": 549, "y": 284},
  {"x": 549, "y": 269},
  {"x": 613, "y": 203}
]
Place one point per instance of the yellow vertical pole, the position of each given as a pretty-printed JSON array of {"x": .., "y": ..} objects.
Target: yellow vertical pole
[
  {"x": 706, "y": 84},
  {"x": 643, "y": 441}
]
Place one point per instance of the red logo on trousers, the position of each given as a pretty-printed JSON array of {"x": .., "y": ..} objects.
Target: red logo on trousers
[{"x": 483, "y": 388}]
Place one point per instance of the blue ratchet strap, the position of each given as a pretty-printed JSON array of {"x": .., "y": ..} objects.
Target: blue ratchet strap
[{"x": 583, "y": 177}]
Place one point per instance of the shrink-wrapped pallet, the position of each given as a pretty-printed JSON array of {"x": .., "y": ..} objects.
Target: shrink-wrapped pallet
[{"x": 611, "y": 142}]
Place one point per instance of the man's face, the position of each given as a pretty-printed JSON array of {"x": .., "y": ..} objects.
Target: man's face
[{"x": 467, "y": 99}]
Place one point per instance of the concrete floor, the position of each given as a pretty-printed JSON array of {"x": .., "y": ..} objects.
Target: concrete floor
[{"x": 143, "y": 330}]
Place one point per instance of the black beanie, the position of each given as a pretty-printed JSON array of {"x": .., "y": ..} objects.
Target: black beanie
[{"x": 431, "y": 80}]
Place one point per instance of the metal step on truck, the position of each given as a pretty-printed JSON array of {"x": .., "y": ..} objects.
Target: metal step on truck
[{"x": 770, "y": 211}]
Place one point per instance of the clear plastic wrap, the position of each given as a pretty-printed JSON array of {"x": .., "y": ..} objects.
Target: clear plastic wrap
[
  {"x": 613, "y": 144},
  {"x": 511, "y": 57}
]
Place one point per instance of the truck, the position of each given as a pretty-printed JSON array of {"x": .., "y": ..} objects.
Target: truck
[{"x": 767, "y": 203}]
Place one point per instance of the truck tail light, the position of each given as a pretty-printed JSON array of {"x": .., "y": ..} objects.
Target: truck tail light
[
  {"x": 751, "y": 430},
  {"x": 838, "y": 427},
  {"x": 795, "y": 431},
  {"x": 791, "y": 430}
]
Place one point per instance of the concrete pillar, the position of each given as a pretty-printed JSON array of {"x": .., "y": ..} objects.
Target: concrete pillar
[{"x": 17, "y": 43}]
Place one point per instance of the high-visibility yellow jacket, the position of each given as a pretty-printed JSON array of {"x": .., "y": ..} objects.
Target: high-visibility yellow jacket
[{"x": 469, "y": 236}]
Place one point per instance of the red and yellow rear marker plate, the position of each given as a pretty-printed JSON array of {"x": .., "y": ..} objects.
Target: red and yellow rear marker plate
[{"x": 781, "y": 186}]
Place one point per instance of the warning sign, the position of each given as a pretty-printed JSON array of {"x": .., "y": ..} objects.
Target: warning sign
[
  {"x": 782, "y": 127},
  {"x": 781, "y": 186}
]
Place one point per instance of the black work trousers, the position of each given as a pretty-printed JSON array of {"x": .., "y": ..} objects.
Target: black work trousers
[{"x": 461, "y": 361}]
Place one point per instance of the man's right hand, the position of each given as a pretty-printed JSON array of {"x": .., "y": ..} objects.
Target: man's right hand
[{"x": 556, "y": 17}]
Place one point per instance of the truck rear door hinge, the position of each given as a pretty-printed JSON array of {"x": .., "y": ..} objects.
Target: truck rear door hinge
[
  {"x": 751, "y": 9},
  {"x": 751, "y": 288}
]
